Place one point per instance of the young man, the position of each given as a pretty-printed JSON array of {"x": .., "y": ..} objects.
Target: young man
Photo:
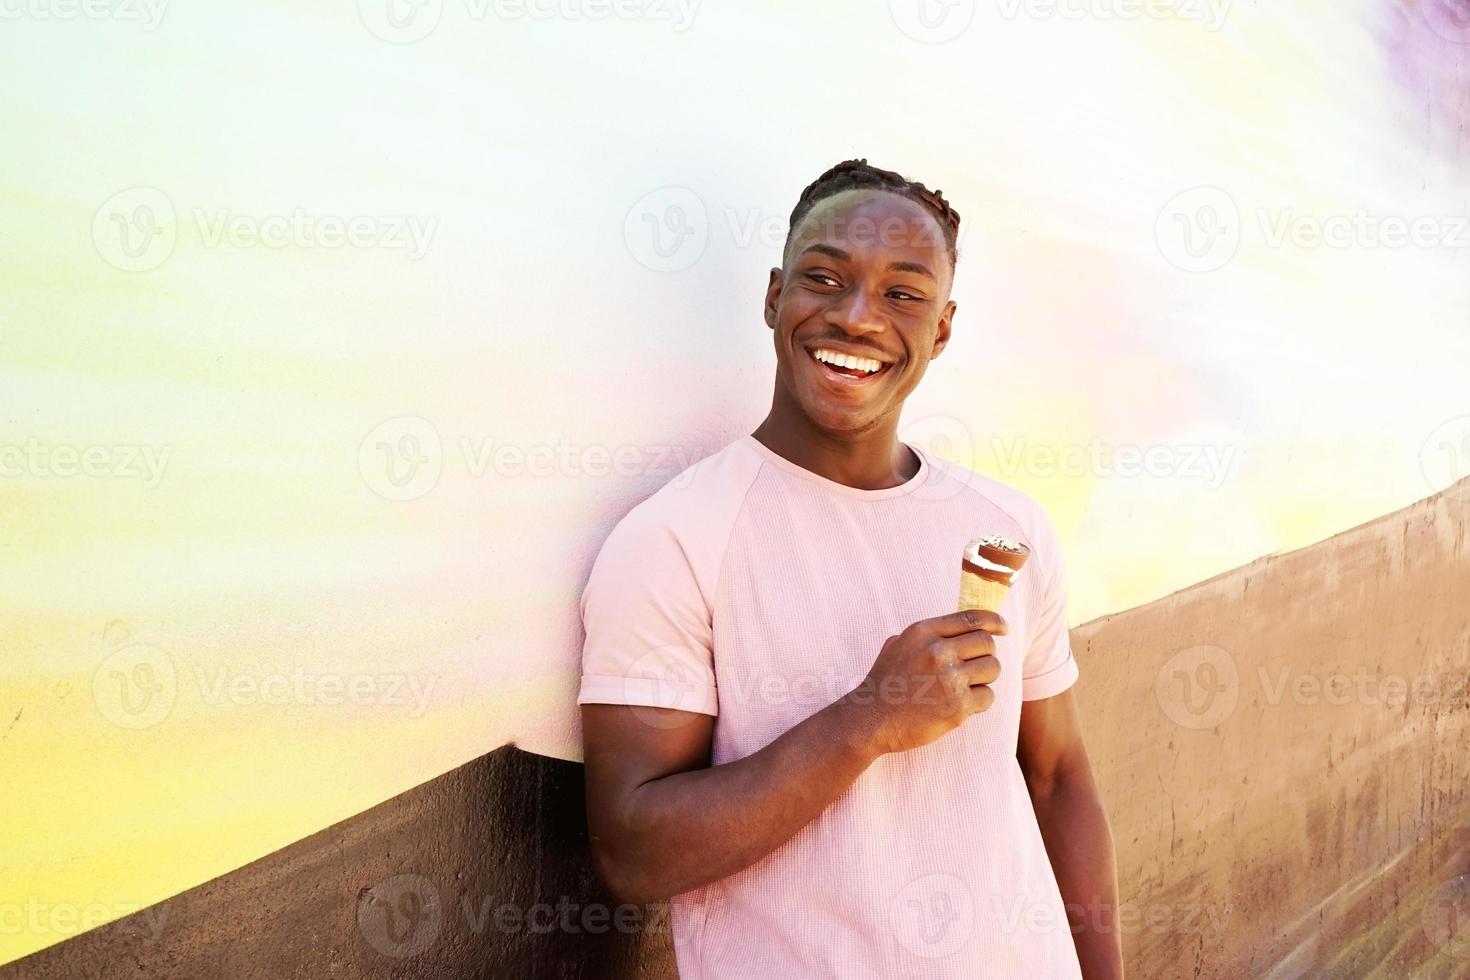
[{"x": 788, "y": 729}]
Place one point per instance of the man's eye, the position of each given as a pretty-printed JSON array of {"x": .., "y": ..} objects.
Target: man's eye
[
  {"x": 900, "y": 294},
  {"x": 821, "y": 278}
]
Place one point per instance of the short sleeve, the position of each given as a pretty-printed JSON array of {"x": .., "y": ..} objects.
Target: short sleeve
[
  {"x": 1049, "y": 667},
  {"x": 649, "y": 635}
]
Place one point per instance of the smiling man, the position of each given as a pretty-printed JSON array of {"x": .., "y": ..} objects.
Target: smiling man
[{"x": 788, "y": 729}]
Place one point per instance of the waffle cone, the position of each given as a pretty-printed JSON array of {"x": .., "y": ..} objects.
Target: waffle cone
[{"x": 980, "y": 593}]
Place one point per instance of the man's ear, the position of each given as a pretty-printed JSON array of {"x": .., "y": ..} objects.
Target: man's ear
[
  {"x": 941, "y": 336},
  {"x": 773, "y": 297}
]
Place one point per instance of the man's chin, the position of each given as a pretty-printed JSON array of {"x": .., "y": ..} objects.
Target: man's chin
[{"x": 839, "y": 419}]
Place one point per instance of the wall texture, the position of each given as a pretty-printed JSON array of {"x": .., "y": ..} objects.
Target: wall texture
[
  {"x": 481, "y": 873},
  {"x": 1286, "y": 746},
  {"x": 1282, "y": 749}
]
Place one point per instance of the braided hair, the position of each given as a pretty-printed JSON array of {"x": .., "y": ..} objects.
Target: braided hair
[{"x": 859, "y": 173}]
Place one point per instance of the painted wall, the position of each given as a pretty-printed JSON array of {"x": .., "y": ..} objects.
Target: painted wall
[
  {"x": 1281, "y": 748},
  {"x": 333, "y": 344}
]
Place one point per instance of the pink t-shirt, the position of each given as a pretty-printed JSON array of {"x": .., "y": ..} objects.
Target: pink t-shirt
[{"x": 754, "y": 590}]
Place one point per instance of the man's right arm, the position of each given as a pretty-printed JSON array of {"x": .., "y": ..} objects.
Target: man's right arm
[{"x": 663, "y": 821}]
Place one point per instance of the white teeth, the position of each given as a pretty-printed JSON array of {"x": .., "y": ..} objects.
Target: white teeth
[{"x": 867, "y": 364}]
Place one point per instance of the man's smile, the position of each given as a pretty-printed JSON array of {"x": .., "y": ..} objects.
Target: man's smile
[{"x": 847, "y": 369}]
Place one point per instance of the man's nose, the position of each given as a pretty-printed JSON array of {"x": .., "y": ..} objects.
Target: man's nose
[{"x": 856, "y": 313}]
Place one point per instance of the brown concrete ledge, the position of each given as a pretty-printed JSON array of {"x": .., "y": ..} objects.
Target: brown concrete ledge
[{"x": 483, "y": 872}]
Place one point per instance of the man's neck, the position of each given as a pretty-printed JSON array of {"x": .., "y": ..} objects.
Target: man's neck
[{"x": 872, "y": 460}]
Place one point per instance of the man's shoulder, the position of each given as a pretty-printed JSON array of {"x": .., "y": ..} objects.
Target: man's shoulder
[{"x": 704, "y": 496}]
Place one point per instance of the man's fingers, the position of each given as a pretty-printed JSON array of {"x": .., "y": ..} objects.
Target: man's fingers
[
  {"x": 971, "y": 645},
  {"x": 982, "y": 670},
  {"x": 968, "y": 621},
  {"x": 981, "y": 698}
]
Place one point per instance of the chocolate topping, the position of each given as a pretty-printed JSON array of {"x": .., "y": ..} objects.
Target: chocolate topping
[{"x": 997, "y": 550}]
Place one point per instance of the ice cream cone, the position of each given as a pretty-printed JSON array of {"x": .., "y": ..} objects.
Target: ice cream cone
[{"x": 988, "y": 568}]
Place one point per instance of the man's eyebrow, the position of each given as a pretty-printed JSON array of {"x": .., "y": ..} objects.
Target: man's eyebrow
[
  {"x": 918, "y": 268},
  {"x": 915, "y": 267},
  {"x": 831, "y": 250}
]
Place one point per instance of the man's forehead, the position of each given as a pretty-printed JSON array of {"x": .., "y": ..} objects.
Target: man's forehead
[{"x": 862, "y": 218}]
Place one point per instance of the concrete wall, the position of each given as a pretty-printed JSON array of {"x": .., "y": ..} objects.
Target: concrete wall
[
  {"x": 1286, "y": 746},
  {"x": 1281, "y": 806},
  {"x": 481, "y": 873}
]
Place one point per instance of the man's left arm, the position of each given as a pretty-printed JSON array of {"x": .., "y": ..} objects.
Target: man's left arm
[{"x": 1075, "y": 829}]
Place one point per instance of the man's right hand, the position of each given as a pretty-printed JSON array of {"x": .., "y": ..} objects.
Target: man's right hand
[
  {"x": 655, "y": 805},
  {"x": 929, "y": 678}
]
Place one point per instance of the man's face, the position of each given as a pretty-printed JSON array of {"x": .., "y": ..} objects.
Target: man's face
[{"x": 867, "y": 275}]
